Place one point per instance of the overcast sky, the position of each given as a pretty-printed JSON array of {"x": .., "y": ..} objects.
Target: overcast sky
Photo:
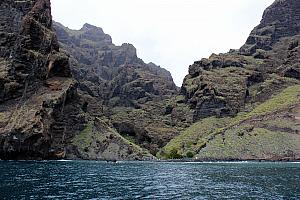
[{"x": 170, "y": 33}]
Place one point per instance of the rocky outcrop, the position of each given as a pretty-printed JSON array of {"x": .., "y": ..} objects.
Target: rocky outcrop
[
  {"x": 279, "y": 20},
  {"x": 219, "y": 86}
]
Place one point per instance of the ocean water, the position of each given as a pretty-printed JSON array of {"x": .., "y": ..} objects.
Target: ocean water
[{"x": 148, "y": 180}]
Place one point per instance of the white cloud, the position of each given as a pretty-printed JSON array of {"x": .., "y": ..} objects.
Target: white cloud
[{"x": 170, "y": 33}]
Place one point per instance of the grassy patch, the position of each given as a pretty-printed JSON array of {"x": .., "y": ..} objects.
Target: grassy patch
[
  {"x": 180, "y": 99},
  {"x": 88, "y": 138},
  {"x": 172, "y": 154},
  {"x": 129, "y": 139},
  {"x": 286, "y": 98},
  {"x": 256, "y": 143},
  {"x": 84, "y": 138},
  {"x": 191, "y": 139},
  {"x": 2, "y": 116}
]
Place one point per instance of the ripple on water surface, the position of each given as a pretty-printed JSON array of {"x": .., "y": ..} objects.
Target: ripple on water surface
[{"x": 148, "y": 180}]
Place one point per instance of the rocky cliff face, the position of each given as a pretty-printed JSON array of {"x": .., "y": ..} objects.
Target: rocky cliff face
[
  {"x": 279, "y": 20},
  {"x": 26, "y": 35},
  {"x": 42, "y": 116},
  {"x": 35, "y": 81},
  {"x": 221, "y": 84},
  {"x": 246, "y": 99}
]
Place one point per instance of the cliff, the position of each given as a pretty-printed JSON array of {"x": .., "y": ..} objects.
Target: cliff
[
  {"x": 35, "y": 82},
  {"x": 42, "y": 116}
]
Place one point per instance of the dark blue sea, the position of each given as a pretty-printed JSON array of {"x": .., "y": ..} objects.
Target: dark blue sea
[{"x": 148, "y": 180}]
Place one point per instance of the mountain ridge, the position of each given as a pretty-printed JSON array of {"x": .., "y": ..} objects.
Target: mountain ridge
[{"x": 123, "y": 83}]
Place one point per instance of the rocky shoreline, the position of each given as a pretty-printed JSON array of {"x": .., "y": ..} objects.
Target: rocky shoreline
[{"x": 285, "y": 160}]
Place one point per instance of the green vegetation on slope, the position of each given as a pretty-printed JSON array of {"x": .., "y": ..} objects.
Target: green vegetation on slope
[
  {"x": 92, "y": 136},
  {"x": 84, "y": 139},
  {"x": 286, "y": 98},
  {"x": 258, "y": 143},
  {"x": 191, "y": 139},
  {"x": 199, "y": 134}
]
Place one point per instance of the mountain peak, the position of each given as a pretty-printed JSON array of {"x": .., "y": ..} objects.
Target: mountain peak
[
  {"x": 279, "y": 20},
  {"x": 88, "y": 27}
]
